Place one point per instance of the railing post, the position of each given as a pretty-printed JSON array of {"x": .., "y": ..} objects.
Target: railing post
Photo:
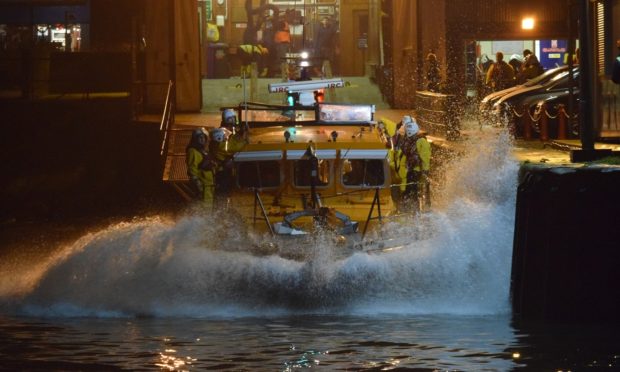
[
  {"x": 526, "y": 121},
  {"x": 544, "y": 123},
  {"x": 562, "y": 122}
]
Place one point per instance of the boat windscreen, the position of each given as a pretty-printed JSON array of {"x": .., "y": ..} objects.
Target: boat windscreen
[
  {"x": 258, "y": 174},
  {"x": 286, "y": 115},
  {"x": 303, "y": 173},
  {"x": 363, "y": 172},
  {"x": 345, "y": 113}
]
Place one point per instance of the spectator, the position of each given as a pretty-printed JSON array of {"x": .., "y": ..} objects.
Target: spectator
[
  {"x": 575, "y": 57},
  {"x": 516, "y": 61},
  {"x": 500, "y": 75},
  {"x": 482, "y": 67},
  {"x": 531, "y": 67},
  {"x": 433, "y": 77},
  {"x": 325, "y": 45},
  {"x": 282, "y": 41}
]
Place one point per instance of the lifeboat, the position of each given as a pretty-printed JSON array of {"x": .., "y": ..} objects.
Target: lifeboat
[{"x": 308, "y": 169}]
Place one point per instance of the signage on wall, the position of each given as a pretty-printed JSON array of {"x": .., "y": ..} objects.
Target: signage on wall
[
  {"x": 552, "y": 53},
  {"x": 209, "y": 9}
]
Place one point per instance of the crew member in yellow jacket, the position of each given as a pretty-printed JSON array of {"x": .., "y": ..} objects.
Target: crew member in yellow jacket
[
  {"x": 396, "y": 158},
  {"x": 417, "y": 149},
  {"x": 200, "y": 167},
  {"x": 227, "y": 140}
]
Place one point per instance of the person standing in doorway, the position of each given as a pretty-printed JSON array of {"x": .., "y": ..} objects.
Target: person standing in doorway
[
  {"x": 282, "y": 41},
  {"x": 531, "y": 67},
  {"x": 325, "y": 46},
  {"x": 433, "y": 77},
  {"x": 500, "y": 75}
]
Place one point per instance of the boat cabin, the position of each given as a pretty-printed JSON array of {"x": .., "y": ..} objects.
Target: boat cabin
[{"x": 302, "y": 167}]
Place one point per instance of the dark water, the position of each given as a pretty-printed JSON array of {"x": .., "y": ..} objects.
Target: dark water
[
  {"x": 182, "y": 293},
  {"x": 285, "y": 343}
]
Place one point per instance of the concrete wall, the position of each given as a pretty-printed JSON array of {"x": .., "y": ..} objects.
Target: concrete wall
[{"x": 566, "y": 247}]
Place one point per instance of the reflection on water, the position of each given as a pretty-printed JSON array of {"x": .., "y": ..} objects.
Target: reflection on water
[
  {"x": 280, "y": 343},
  {"x": 185, "y": 294},
  {"x": 330, "y": 342}
]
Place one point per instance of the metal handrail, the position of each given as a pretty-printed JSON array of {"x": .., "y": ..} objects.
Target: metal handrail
[{"x": 167, "y": 117}]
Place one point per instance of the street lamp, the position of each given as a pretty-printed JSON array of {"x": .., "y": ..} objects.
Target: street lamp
[{"x": 527, "y": 23}]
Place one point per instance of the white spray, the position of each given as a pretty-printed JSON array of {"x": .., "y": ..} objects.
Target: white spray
[{"x": 161, "y": 267}]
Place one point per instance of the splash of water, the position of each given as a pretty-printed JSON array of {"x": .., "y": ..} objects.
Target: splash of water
[{"x": 163, "y": 267}]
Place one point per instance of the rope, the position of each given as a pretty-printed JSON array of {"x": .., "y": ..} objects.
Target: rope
[
  {"x": 515, "y": 113},
  {"x": 551, "y": 116}
]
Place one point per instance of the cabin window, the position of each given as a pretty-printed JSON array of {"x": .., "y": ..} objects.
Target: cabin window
[
  {"x": 303, "y": 175},
  {"x": 258, "y": 174},
  {"x": 363, "y": 172}
]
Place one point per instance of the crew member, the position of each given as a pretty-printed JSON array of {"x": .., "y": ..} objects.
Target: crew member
[
  {"x": 500, "y": 75},
  {"x": 227, "y": 140},
  {"x": 237, "y": 134},
  {"x": 249, "y": 54},
  {"x": 223, "y": 168},
  {"x": 396, "y": 158},
  {"x": 417, "y": 150},
  {"x": 200, "y": 167}
]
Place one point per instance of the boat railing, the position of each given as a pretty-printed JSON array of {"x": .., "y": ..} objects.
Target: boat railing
[{"x": 167, "y": 117}]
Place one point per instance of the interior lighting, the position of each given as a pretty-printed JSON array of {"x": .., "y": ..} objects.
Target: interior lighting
[
  {"x": 304, "y": 55},
  {"x": 527, "y": 23}
]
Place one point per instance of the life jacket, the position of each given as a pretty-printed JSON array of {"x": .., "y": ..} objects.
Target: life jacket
[
  {"x": 416, "y": 161},
  {"x": 411, "y": 151},
  {"x": 398, "y": 167},
  {"x": 253, "y": 49}
]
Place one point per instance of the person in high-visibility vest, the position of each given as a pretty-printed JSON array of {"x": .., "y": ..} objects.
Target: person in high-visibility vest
[
  {"x": 417, "y": 149},
  {"x": 396, "y": 159},
  {"x": 200, "y": 166}
]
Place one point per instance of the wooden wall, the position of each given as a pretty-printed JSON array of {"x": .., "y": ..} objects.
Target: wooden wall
[
  {"x": 404, "y": 51},
  {"x": 352, "y": 60}
]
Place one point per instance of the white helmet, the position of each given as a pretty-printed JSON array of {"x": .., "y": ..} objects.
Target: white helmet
[
  {"x": 229, "y": 117},
  {"x": 219, "y": 134},
  {"x": 411, "y": 127}
]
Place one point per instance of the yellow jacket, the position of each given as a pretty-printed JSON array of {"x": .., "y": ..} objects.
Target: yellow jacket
[
  {"x": 224, "y": 150},
  {"x": 193, "y": 161},
  {"x": 398, "y": 168},
  {"x": 424, "y": 151}
]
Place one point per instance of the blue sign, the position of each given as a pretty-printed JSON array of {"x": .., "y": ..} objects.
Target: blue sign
[{"x": 552, "y": 53}]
